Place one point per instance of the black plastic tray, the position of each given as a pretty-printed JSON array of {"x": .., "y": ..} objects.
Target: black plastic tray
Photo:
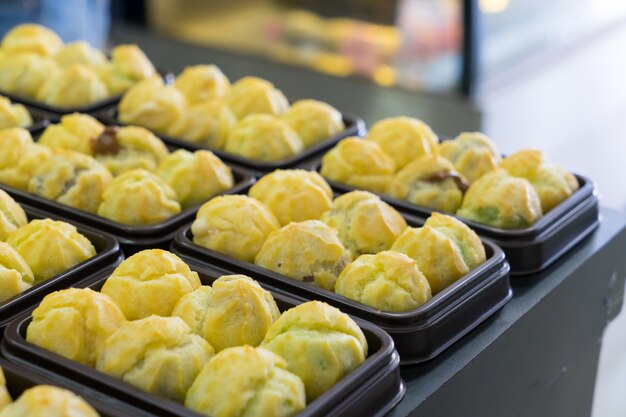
[
  {"x": 108, "y": 253},
  {"x": 529, "y": 250},
  {"x": 41, "y": 120},
  {"x": 354, "y": 127},
  {"x": 131, "y": 238},
  {"x": 372, "y": 389},
  {"x": 419, "y": 334},
  {"x": 19, "y": 379}
]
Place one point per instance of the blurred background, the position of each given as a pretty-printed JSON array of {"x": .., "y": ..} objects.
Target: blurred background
[{"x": 529, "y": 73}]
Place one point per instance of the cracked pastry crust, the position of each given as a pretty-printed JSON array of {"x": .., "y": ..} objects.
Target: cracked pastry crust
[
  {"x": 246, "y": 381},
  {"x": 150, "y": 282},
  {"x": 445, "y": 249},
  {"x": 196, "y": 176},
  {"x": 159, "y": 355},
  {"x": 75, "y": 132},
  {"x": 32, "y": 38},
  {"x": 472, "y": 154},
  {"x": 293, "y": 195},
  {"x": 235, "y": 225},
  {"x": 403, "y": 138},
  {"x": 15, "y": 275},
  {"x": 73, "y": 86},
  {"x": 13, "y": 114},
  {"x": 202, "y": 82},
  {"x": 205, "y": 123},
  {"x": 129, "y": 65},
  {"x": 359, "y": 163},
  {"x": 500, "y": 200},
  {"x": 75, "y": 323},
  {"x": 429, "y": 181},
  {"x": 252, "y": 95},
  {"x": 80, "y": 52},
  {"x": 24, "y": 74},
  {"x": 319, "y": 343},
  {"x": 234, "y": 311},
  {"x": 48, "y": 400},
  {"x": 314, "y": 121},
  {"x": 308, "y": 251},
  {"x": 12, "y": 216},
  {"x": 19, "y": 157},
  {"x": 365, "y": 223},
  {"x": 387, "y": 281}
]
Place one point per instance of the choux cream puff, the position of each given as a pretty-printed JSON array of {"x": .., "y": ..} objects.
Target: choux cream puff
[
  {"x": 24, "y": 74},
  {"x": 205, "y": 123},
  {"x": 252, "y": 95},
  {"x": 32, "y": 38},
  {"x": 12, "y": 216},
  {"x": 20, "y": 157},
  {"x": 13, "y": 115},
  {"x": 80, "y": 52},
  {"x": 314, "y": 121},
  {"x": 73, "y": 86},
  {"x": 202, "y": 82},
  {"x": 129, "y": 65},
  {"x": 15, "y": 275},
  {"x": 75, "y": 132},
  {"x": 49, "y": 401},
  {"x": 472, "y": 154}
]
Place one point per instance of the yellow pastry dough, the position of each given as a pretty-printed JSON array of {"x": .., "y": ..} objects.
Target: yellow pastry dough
[
  {"x": 138, "y": 197},
  {"x": 308, "y": 251},
  {"x": 387, "y": 281},
  {"x": 128, "y": 66},
  {"x": 314, "y": 121},
  {"x": 20, "y": 157},
  {"x": 359, "y": 163},
  {"x": 246, "y": 381},
  {"x": 263, "y": 137},
  {"x": 472, "y": 154},
  {"x": 202, "y": 82},
  {"x": 403, "y": 138},
  {"x": 75, "y": 132},
  {"x": 500, "y": 200},
  {"x": 236, "y": 225},
  {"x": 445, "y": 249},
  {"x": 5, "y": 398},
  {"x": 293, "y": 195},
  {"x": 80, "y": 52},
  {"x": 153, "y": 105},
  {"x": 150, "y": 282},
  {"x": 71, "y": 178},
  {"x": 75, "y": 323},
  {"x": 196, "y": 176},
  {"x": 365, "y": 223},
  {"x": 25, "y": 74},
  {"x": 251, "y": 95},
  {"x": 160, "y": 355},
  {"x": 33, "y": 38},
  {"x": 429, "y": 181},
  {"x": 205, "y": 123},
  {"x": 50, "y": 247},
  {"x": 15, "y": 275},
  {"x": 73, "y": 86},
  {"x": 552, "y": 182},
  {"x": 49, "y": 401},
  {"x": 12, "y": 216},
  {"x": 13, "y": 115},
  {"x": 319, "y": 343},
  {"x": 235, "y": 311}
]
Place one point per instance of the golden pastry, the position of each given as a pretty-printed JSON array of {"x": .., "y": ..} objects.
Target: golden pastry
[
  {"x": 138, "y": 197},
  {"x": 50, "y": 247},
  {"x": 25, "y": 74},
  {"x": 20, "y": 157},
  {"x": 80, "y": 52},
  {"x": 445, "y": 249},
  {"x": 365, "y": 223},
  {"x": 429, "y": 181},
  {"x": 13, "y": 115},
  {"x": 263, "y": 137},
  {"x": 308, "y": 251},
  {"x": 387, "y": 281},
  {"x": 150, "y": 282},
  {"x": 128, "y": 66},
  {"x": 202, "y": 82},
  {"x": 49, "y": 401},
  {"x": 251, "y": 95},
  {"x": 153, "y": 105},
  {"x": 293, "y": 195},
  {"x": 319, "y": 343},
  {"x": 246, "y": 381},
  {"x": 160, "y": 355},
  {"x": 33, "y": 38},
  {"x": 404, "y": 138},
  {"x": 5, "y": 397},
  {"x": 12, "y": 216},
  {"x": 15, "y": 275},
  {"x": 196, "y": 176},
  {"x": 235, "y": 311},
  {"x": 472, "y": 154},
  {"x": 314, "y": 121},
  {"x": 235, "y": 225},
  {"x": 552, "y": 182},
  {"x": 359, "y": 163},
  {"x": 74, "y": 86},
  {"x": 121, "y": 149},
  {"x": 500, "y": 200},
  {"x": 75, "y": 323},
  {"x": 71, "y": 178},
  {"x": 206, "y": 123},
  {"x": 75, "y": 132}
]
